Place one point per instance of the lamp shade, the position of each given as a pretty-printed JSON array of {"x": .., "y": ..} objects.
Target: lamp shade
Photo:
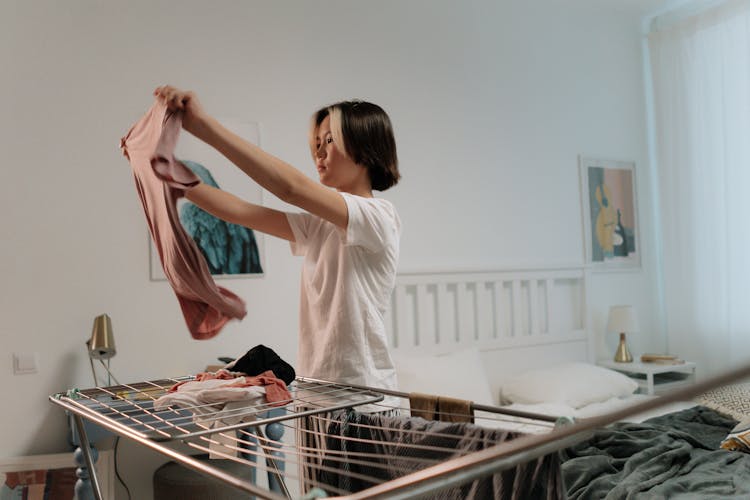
[
  {"x": 622, "y": 319},
  {"x": 102, "y": 342}
]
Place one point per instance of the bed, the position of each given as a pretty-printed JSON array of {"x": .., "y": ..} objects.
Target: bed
[
  {"x": 472, "y": 418},
  {"x": 489, "y": 325}
]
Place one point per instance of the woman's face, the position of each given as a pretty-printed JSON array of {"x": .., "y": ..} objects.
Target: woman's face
[{"x": 335, "y": 169}]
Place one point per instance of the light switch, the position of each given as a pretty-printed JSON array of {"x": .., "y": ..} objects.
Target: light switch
[{"x": 24, "y": 363}]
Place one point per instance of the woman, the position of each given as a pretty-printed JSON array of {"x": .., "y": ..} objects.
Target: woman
[{"x": 349, "y": 239}]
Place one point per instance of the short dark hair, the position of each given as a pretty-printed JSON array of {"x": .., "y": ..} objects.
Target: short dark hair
[{"x": 363, "y": 131}]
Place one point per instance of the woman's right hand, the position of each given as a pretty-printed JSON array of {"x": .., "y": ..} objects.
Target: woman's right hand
[{"x": 194, "y": 116}]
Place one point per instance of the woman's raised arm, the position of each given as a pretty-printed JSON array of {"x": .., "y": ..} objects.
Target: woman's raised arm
[{"x": 273, "y": 174}]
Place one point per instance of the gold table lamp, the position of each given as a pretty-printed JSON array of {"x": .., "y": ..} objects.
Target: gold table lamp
[
  {"x": 101, "y": 345},
  {"x": 622, "y": 320}
]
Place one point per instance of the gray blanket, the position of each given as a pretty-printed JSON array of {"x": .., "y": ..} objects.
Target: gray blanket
[{"x": 675, "y": 455}]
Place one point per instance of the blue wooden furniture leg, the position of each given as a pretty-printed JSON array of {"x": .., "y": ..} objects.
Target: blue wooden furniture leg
[
  {"x": 83, "y": 488},
  {"x": 87, "y": 485}
]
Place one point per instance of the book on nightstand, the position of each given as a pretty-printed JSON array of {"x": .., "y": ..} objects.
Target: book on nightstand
[{"x": 661, "y": 359}]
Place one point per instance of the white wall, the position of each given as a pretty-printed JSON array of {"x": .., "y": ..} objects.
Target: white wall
[{"x": 492, "y": 101}]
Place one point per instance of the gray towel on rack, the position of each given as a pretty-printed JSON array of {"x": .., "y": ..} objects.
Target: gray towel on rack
[{"x": 400, "y": 451}]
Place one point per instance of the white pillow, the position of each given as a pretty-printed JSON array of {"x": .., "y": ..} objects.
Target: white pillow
[
  {"x": 572, "y": 384},
  {"x": 458, "y": 375}
]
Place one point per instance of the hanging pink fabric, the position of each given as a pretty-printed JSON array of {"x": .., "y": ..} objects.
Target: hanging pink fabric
[{"x": 161, "y": 180}]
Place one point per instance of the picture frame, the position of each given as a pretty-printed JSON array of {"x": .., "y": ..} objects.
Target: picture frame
[
  {"x": 231, "y": 251},
  {"x": 50, "y": 476},
  {"x": 609, "y": 208}
]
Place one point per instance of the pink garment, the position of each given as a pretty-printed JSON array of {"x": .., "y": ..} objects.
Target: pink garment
[
  {"x": 215, "y": 387},
  {"x": 161, "y": 180}
]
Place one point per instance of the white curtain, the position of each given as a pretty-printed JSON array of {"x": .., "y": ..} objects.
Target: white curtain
[{"x": 701, "y": 93}]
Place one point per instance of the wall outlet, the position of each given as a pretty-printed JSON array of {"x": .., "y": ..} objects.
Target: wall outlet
[{"x": 25, "y": 363}]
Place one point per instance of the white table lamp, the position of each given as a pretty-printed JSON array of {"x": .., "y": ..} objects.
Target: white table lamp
[{"x": 622, "y": 320}]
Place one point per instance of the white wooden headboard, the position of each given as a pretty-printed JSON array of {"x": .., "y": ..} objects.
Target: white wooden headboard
[{"x": 515, "y": 318}]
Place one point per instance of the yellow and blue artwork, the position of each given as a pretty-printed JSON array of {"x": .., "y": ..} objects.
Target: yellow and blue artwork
[{"x": 610, "y": 214}]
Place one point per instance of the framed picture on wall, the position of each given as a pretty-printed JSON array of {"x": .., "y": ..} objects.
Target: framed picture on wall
[
  {"x": 610, "y": 214},
  {"x": 231, "y": 251}
]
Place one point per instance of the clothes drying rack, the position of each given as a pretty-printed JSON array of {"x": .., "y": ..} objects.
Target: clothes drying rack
[{"x": 128, "y": 410}]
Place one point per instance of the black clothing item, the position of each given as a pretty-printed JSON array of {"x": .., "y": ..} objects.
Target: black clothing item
[{"x": 261, "y": 358}]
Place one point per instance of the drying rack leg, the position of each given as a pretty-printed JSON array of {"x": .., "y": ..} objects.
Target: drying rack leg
[
  {"x": 89, "y": 472},
  {"x": 275, "y": 431},
  {"x": 275, "y": 458}
]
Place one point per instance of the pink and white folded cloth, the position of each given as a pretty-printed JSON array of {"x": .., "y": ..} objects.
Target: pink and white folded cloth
[
  {"x": 222, "y": 398},
  {"x": 216, "y": 388}
]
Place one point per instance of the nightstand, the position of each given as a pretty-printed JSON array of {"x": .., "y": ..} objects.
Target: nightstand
[{"x": 655, "y": 378}]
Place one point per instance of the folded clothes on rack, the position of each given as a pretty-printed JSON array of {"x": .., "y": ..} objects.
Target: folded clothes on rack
[
  {"x": 224, "y": 386},
  {"x": 219, "y": 399}
]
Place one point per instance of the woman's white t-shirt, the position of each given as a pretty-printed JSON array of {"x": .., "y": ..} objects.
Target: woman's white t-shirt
[{"x": 347, "y": 280}]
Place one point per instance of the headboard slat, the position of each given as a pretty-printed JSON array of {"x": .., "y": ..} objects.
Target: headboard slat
[
  {"x": 465, "y": 331},
  {"x": 443, "y": 314},
  {"x": 534, "y": 307},
  {"x": 483, "y": 313},
  {"x": 423, "y": 316},
  {"x": 517, "y": 302}
]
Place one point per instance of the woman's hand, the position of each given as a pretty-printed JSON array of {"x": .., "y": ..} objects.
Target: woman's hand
[{"x": 194, "y": 117}]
